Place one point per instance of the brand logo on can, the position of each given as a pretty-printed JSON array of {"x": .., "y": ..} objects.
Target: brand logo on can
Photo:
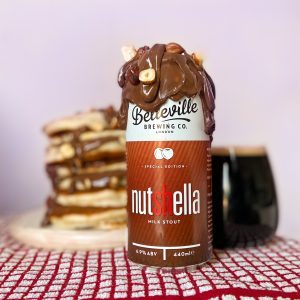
[
  {"x": 178, "y": 111},
  {"x": 175, "y": 121},
  {"x": 165, "y": 202}
]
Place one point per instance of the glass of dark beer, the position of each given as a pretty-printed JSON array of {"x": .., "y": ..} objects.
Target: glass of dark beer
[{"x": 245, "y": 210}]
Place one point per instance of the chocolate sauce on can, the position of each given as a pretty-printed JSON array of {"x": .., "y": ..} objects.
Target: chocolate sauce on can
[{"x": 169, "y": 122}]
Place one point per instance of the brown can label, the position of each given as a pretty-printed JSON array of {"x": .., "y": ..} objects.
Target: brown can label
[{"x": 169, "y": 187}]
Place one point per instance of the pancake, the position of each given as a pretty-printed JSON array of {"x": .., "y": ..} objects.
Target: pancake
[
  {"x": 74, "y": 217},
  {"x": 94, "y": 221},
  {"x": 94, "y": 120},
  {"x": 101, "y": 199}
]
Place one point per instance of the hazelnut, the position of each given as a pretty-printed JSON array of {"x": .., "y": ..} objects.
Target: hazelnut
[
  {"x": 87, "y": 183},
  {"x": 198, "y": 59},
  {"x": 174, "y": 48},
  {"x": 79, "y": 185},
  {"x": 128, "y": 52},
  {"x": 114, "y": 122},
  {"x": 114, "y": 182},
  {"x": 67, "y": 151},
  {"x": 65, "y": 184},
  {"x": 147, "y": 76}
]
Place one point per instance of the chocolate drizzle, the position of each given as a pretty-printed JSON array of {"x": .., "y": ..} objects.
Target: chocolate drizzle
[{"x": 177, "y": 75}]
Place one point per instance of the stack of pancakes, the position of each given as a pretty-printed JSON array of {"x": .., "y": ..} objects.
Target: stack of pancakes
[{"x": 85, "y": 161}]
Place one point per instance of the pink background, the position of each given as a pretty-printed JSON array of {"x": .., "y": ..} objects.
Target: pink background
[{"x": 58, "y": 57}]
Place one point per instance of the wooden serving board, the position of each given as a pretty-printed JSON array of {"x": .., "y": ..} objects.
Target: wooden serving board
[{"x": 26, "y": 228}]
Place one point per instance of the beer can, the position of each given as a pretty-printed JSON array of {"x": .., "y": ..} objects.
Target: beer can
[{"x": 168, "y": 143}]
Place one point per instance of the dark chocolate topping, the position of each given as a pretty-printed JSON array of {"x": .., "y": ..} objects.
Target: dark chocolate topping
[{"x": 177, "y": 74}]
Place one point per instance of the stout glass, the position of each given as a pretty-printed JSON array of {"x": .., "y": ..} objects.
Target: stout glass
[{"x": 245, "y": 210}]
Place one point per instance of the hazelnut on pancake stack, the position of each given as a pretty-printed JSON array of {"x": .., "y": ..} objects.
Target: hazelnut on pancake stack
[{"x": 85, "y": 161}]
